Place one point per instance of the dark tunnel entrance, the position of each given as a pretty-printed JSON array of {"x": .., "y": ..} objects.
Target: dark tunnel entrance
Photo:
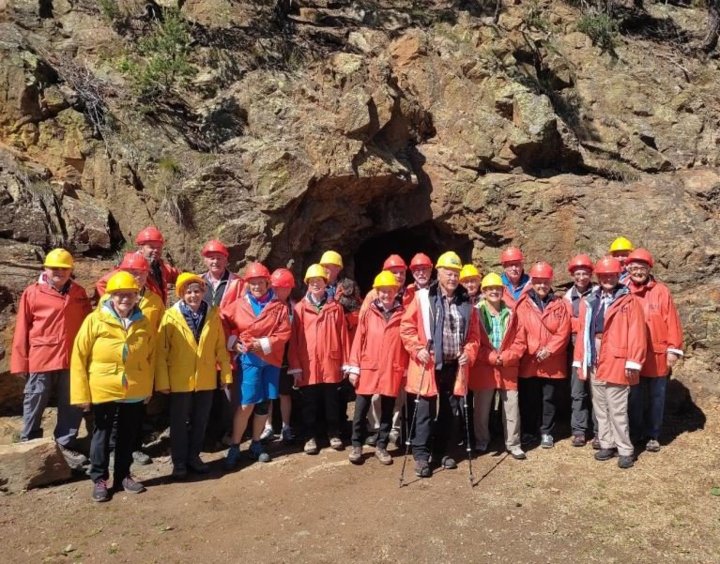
[{"x": 426, "y": 238}]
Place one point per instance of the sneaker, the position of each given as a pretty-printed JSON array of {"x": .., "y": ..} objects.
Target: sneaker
[
  {"x": 481, "y": 446},
  {"x": 517, "y": 453},
  {"x": 355, "y": 455},
  {"x": 287, "y": 435},
  {"x": 394, "y": 437},
  {"x": 528, "y": 438},
  {"x": 139, "y": 457},
  {"x": 198, "y": 466},
  {"x": 595, "y": 443},
  {"x": 336, "y": 443},
  {"x": 605, "y": 454},
  {"x": 422, "y": 469},
  {"x": 578, "y": 441},
  {"x": 266, "y": 435},
  {"x": 311, "y": 447},
  {"x": 448, "y": 463},
  {"x": 625, "y": 462},
  {"x": 383, "y": 456},
  {"x": 652, "y": 446},
  {"x": 131, "y": 486},
  {"x": 547, "y": 441},
  {"x": 75, "y": 460},
  {"x": 257, "y": 452},
  {"x": 179, "y": 472},
  {"x": 100, "y": 491},
  {"x": 233, "y": 457}
]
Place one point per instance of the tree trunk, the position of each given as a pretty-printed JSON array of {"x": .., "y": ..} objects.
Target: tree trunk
[{"x": 713, "y": 26}]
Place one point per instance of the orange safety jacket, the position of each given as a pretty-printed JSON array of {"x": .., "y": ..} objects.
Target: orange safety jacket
[
  {"x": 407, "y": 297},
  {"x": 46, "y": 325},
  {"x": 548, "y": 329}
]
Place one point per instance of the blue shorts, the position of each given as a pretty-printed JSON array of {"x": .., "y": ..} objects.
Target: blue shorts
[{"x": 257, "y": 381}]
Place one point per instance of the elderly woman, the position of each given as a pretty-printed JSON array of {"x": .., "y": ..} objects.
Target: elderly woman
[
  {"x": 112, "y": 371},
  {"x": 260, "y": 328},
  {"x": 191, "y": 344}
]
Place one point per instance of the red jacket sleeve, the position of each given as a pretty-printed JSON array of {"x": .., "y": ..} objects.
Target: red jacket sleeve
[
  {"x": 637, "y": 338},
  {"x": 294, "y": 364},
  {"x": 674, "y": 328},
  {"x": 21, "y": 339},
  {"x": 472, "y": 342},
  {"x": 559, "y": 340},
  {"x": 512, "y": 355},
  {"x": 409, "y": 330}
]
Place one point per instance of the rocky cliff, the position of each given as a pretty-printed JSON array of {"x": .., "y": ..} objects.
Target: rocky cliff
[{"x": 368, "y": 127}]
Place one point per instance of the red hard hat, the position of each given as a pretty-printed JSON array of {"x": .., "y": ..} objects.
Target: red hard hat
[
  {"x": 511, "y": 254},
  {"x": 608, "y": 265},
  {"x": 421, "y": 260},
  {"x": 394, "y": 261},
  {"x": 134, "y": 261},
  {"x": 256, "y": 270},
  {"x": 640, "y": 255},
  {"x": 541, "y": 270},
  {"x": 215, "y": 246},
  {"x": 150, "y": 235},
  {"x": 580, "y": 261},
  {"x": 282, "y": 278}
]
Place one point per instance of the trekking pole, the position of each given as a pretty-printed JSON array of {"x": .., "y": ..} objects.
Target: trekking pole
[
  {"x": 468, "y": 447},
  {"x": 413, "y": 420}
]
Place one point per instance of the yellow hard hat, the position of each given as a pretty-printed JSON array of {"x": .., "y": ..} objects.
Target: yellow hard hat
[
  {"x": 491, "y": 280},
  {"x": 469, "y": 271},
  {"x": 449, "y": 260},
  {"x": 184, "y": 279},
  {"x": 122, "y": 281},
  {"x": 621, "y": 244},
  {"x": 58, "y": 258},
  {"x": 385, "y": 278},
  {"x": 316, "y": 271},
  {"x": 331, "y": 257}
]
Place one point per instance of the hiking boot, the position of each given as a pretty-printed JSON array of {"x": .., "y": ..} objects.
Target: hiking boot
[
  {"x": 625, "y": 462},
  {"x": 547, "y": 441},
  {"x": 198, "y": 466},
  {"x": 517, "y": 453},
  {"x": 652, "y": 446},
  {"x": 287, "y": 435},
  {"x": 605, "y": 454},
  {"x": 448, "y": 463},
  {"x": 257, "y": 452},
  {"x": 578, "y": 441},
  {"x": 139, "y": 457},
  {"x": 100, "y": 491},
  {"x": 336, "y": 443},
  {"x": 311, "y": 447},
  {"x": 131, "y": 486},
  {"x": 266, "y": 435},
  {"x": 481, "y": 446},
  {"x": 233, "y": 457},
  {"x": 595, "y": 443},
  {"x": 528, "y": 438},
  {"x": 383, "y": 456},
  {"x": 422, "y": 469},
  {"x": 355, "y": 455},
  {"x": 179, "y": 472},
  {"x": 75, "y": 460}
]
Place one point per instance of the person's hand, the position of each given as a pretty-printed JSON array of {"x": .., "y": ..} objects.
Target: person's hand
[
  {"x": 463, "y": 359},
  {"x": 672, "y": 359},
  {"x": 238, "y": 347},
  {"x": 85, "y": 407},
  {"x": 297, "y": 377},
  {"x": 631, "y": 373},
  {"x": 423, "y": 356},
  {"x": 353, "y": 378},
  {"x": 542, "y": 354},
  {"x": 498, "y": 361}
]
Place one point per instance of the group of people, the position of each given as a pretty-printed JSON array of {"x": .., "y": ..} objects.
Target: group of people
[{"x": 431, "y": 353}]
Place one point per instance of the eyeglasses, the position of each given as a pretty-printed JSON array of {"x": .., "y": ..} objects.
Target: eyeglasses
[{"x": 638, "y": 268}]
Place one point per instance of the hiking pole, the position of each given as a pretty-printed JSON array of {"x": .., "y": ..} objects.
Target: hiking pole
[
  {"x": 468, "y": 447},
  {"x": 414, "y": 419}
]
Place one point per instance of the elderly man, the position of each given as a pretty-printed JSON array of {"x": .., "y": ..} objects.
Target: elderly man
[
  {"x": 440, "y": 332},
  {"x": 514, "y": 278},
  {"x": 150, "y": 244}
]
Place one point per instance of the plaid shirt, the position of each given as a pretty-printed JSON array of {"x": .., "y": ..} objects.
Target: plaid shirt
[{"x": 453, "y": 329}]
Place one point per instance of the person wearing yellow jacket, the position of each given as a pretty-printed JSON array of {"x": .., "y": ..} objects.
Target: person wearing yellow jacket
[
  {"x": 191, "y": 344},
  {"x": 111, "y": 370}
]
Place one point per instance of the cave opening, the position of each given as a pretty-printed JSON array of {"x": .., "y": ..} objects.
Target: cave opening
[{"x": 428, "y": 237}]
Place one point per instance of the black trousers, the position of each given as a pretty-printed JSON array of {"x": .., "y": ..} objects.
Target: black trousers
[
  {"x": 129, "y": 423},
  {"x": 537, "y": 404},
  {"x": 325, "y": 397},
  {"x": 189, "y": 413},
  {"x": 359, "y": 425},
  {"x": 436, "y": 432}
]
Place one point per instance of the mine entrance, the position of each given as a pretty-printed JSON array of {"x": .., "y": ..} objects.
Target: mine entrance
[{"x": 428, "y": 238}]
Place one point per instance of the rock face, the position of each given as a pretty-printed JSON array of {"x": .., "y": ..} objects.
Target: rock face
[
  {"x": 24, "y": 466},
  {"x": 328, "y": 125}
]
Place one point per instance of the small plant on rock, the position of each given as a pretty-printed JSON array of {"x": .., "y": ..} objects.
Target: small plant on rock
[{"x": 601, "y": 28}]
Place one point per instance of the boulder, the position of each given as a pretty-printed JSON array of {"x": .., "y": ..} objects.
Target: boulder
[{"x": 32, "y": 464}]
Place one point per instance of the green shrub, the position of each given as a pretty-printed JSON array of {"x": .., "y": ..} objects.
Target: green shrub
[
  {"x": 600, "y": 28},
  {"x": 110, "y": 9}
]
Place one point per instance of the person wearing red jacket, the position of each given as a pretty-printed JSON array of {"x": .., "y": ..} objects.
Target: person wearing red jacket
[
  {"x": 610, "y": 350},
  {"x": 514, "y": 278},
  {"x": 150, "y": 244},
  {"x": 377, "y": 364},
  {"x": 665, "y": 339},
  {"x": 421, "y": 267},
  {"x": 496, "y": 368},
  {"x": 545, "y": 320},
  {"x": 49, "y": 317},
  {"x": 440, "y": 332},
  {"x": 319, "y": 348},
  {"x": 259, "y": 329}
]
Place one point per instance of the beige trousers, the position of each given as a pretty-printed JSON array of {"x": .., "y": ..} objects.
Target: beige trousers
[
  {"x": 374, "y": 413},
  {"x": 510, "y": 416},
  {"x": 610, "y": 405}
]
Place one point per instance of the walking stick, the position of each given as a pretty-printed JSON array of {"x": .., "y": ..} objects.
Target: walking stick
[{"x": 468, "y": 447}]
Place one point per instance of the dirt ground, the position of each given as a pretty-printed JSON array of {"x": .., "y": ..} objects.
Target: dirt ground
[{"x": 560, "y": 505}]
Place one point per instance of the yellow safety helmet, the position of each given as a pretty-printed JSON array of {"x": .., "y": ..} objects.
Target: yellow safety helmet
[
  {"x": 122, "y": 281},
  {"x": 621, "y": 244},
  {"x": 469, "y": 271},
  {"x": 449, "y": 260},
  {"x": 316, "y": 271},
  {"x": 184, "y": 280},
  {"x": 58, "y": 258},
  {"x": 331, "y": 257},
  {"x": 491, "y": 280},
  {"x": 385, "y": 278}
]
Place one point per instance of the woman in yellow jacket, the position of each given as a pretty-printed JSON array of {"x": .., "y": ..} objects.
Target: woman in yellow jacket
[
  {"x": 191, "y": 346},
  {"x": 112, "y": 370}
]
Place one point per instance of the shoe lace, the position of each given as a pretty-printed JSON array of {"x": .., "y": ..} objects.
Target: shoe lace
[{"x": 101, "y": 484}]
